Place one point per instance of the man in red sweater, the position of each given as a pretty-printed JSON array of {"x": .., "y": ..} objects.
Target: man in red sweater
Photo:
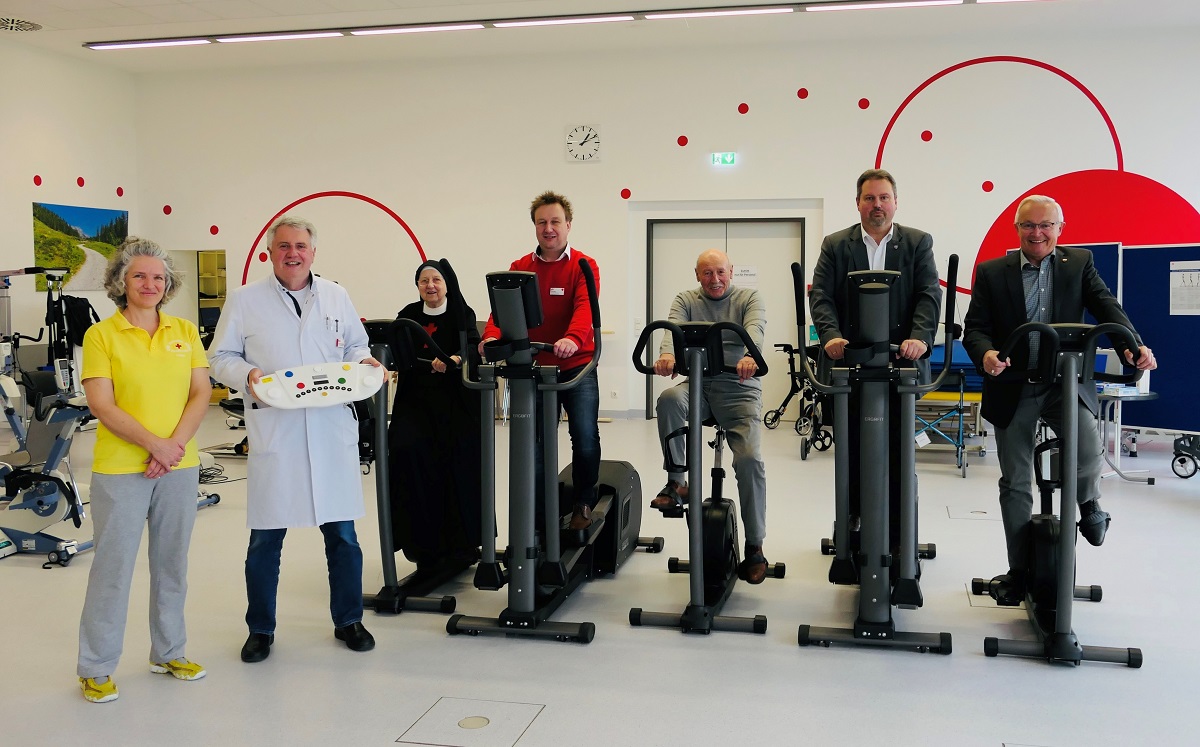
[{"x": 567, "y": 322}]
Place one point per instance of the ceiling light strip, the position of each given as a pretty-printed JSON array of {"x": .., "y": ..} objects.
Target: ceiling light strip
[
  {"x": 883, "y": 4},
  {"x": 710, "y": 12},
  {"x": 279, "y": 37},
  {"x": 718, "y": 13},
  {"x": 558, "y": 21},
  {"x": 416, "y": 29},
  {"x": 147, "y": 43}
]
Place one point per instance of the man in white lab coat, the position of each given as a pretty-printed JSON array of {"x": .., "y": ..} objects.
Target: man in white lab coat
[{"x": 303, "y": 463}]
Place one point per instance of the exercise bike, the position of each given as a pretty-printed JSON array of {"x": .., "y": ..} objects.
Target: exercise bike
[
  {"x": 713, "y": 564},
  {"x": 869, "y": 373},
  {"x": 542, "y": 566},
  {"x": 39, "y": 489},
  {"x": 1067, "y": 356}
]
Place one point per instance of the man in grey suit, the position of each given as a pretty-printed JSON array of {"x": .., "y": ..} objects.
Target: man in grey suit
[
  {"x": 1047, "y": 283},
  {"x": 877, "y": 243}
]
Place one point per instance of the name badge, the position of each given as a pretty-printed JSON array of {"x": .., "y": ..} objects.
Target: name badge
[{"x": 558, "y": 291}]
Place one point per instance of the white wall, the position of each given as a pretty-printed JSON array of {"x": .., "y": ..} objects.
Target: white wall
[
  {"x": 459, "y": 150},
  {"x": 59, "y": 120}
]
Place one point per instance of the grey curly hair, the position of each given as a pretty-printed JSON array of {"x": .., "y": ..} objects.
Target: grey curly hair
[{"x": 118, "y": 265}]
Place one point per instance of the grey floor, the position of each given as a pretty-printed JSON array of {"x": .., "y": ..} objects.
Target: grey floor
[{"x": 640, "y": 685}]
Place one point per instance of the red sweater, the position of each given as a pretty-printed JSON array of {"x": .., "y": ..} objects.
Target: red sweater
[{"x": 566, "y": 311}]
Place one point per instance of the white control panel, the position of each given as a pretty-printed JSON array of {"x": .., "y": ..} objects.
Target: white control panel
[{"x": 319, "y": 385}]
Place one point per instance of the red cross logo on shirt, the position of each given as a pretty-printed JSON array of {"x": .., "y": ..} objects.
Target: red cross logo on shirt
[{"x": 430, "y": 328}]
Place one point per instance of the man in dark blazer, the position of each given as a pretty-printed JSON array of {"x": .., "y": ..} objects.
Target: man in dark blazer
[
  {"x": 1052, "y": 284},
  {"x": 877, "y": 243}
]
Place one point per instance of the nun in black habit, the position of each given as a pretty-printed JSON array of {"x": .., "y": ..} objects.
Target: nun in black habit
[{"x": 433, "y": 437}]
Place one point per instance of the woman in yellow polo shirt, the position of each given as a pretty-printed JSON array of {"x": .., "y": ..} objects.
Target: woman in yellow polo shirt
[{"x": 146, "y": 379}]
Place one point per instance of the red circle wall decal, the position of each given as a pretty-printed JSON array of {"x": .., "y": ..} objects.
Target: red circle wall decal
[
  {"x": 166, "y": 209},
  {"x": 802, "y": 93},
  {"x": 120, "y": 191},
  {"x": 988, "y": 186},
  {"x": 743, "y": 108},
  {"x": 864, "y": 103},
  {"x": 626, "y": 194},
  {"x": 682, "y": 140},
  {"x": 79, "y": 181},
  {"x": 213, "y": 230},
  {"x": 332, "y": 193},
  {"x": 37, "y": 180},
  {"x": 927, "y": 136}
]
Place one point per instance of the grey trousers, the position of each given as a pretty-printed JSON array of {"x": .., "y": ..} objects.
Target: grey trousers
[
  {"x": 737, "y": 408},
  {"x": 1014, "y": 448},
  {"x": 121, "y": 506}
]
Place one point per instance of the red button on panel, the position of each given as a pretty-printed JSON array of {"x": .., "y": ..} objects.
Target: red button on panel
[{"x": 300, "y": 385}]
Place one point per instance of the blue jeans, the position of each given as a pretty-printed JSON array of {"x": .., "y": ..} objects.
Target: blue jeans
[
  {"x": 583, "y": 411},
  {"x": 343, "y": 556}
]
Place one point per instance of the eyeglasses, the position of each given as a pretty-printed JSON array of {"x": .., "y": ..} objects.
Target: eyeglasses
[{"x": 1028, "y": 227}]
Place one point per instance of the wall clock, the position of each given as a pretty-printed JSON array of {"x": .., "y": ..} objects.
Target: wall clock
[{"x": 583, "y": 143}]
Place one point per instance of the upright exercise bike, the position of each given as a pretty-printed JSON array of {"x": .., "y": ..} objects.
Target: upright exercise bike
[
  {"x": 713, "y": 562},
  {"x": 542, "y": 566},
  {"x": 1066, "y": 356},
  {"x": 868, "y": 372}
]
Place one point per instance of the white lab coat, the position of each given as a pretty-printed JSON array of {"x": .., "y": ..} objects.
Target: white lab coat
[{"x": 303, "y": 464}]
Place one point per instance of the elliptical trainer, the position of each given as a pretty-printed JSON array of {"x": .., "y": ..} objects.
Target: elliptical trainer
[
  {"x": 869, "y": 373},
  {"x": 395, "y": 347},
  {"x": 712, "y": 524},
  {"x": 539, "y": 572},
  {"x": 1067, "y": 354}
]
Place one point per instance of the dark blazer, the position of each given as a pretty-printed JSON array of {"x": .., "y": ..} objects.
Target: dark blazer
[
  {"x": 998, "y": 307},
  {"x": 915, "y": 299}
]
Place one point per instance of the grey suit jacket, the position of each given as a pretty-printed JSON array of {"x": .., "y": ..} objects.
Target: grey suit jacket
[
  {"x": 915, "y": 298},
  {"x": 998, "y": 307}
]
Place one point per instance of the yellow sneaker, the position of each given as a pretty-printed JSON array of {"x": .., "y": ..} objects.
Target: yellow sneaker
[
  {"x": 97, "y": 693},
  {"x": 182, "y": 669}
]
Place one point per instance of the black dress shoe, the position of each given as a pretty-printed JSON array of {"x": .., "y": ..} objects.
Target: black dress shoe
[
  {"x": 257, "y": 647},
  {"x": 356, "y": 637},
  {"x": 1093, "y": 523}
]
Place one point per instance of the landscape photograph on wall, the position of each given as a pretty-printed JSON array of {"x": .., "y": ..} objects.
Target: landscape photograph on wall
[{"x": 80, "y": 239}]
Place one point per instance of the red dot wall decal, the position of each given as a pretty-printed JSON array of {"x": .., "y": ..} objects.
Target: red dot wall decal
[
  {"x": 120, "y": 191},
  {"x": 682, "y": 140},
  {"x": 864, "y": 103},
  {"x": 79, "y": 181},
  {"x": 37, "y": 180},
  {"x": 743, "y": 108},
  {"x": 802, "y": 93},
  {"x": 988, "y": 186},
  {"x": 626, "y": 194},
  {"x": 213, "y": 230},
  {"x": 262, "y": 256},
  {"x": 166, "y": 209},
  {"x": 927, "y": 136}
]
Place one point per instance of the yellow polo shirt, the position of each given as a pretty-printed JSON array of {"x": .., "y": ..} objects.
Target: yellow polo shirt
[{"x": 151, "y": 379}]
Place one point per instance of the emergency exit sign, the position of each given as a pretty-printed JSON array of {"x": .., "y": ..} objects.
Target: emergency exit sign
[{"x": 724, "y": 159}]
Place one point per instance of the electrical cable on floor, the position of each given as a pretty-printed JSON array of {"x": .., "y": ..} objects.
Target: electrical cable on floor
[{"x": 213, "y": 475}]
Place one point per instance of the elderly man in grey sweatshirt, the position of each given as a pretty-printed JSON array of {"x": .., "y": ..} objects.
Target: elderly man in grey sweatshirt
[{"x": 734, "y": 400}]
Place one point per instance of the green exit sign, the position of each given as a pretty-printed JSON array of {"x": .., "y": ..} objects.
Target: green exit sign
[{"x": 724, "y": 159}]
